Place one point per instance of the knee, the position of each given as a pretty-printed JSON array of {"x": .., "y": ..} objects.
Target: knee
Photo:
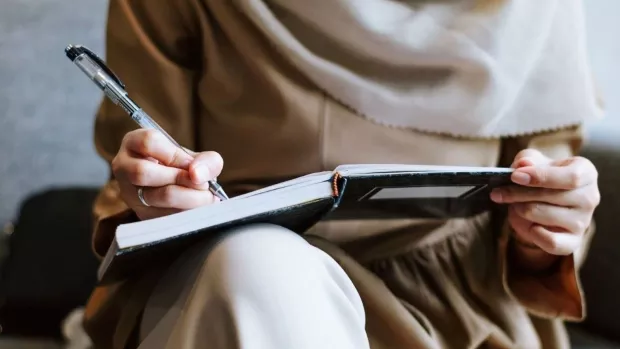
[
  {"x": 256, "y": 250},
  {"x": 267, "y": 261}
]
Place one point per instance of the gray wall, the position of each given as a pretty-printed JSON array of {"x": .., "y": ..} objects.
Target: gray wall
[
  {"x": 46, "y": 104},
  {"x": 603, "y": 38}
]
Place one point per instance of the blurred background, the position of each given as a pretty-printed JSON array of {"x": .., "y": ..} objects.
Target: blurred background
[{"x": 49, "y": 171}]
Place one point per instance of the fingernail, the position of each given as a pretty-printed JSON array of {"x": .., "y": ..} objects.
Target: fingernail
[
  {"x": 496, "y": 195},
  {"x": 521, "y": 178},
  {"x": 201, "y": 172}
]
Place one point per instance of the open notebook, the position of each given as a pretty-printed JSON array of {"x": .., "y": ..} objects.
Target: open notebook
[{"x": 348, "y": 192}]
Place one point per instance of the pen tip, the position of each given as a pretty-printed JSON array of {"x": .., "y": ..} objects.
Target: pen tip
[
  {"x": 222, "y": 195},
  {"x": 219, "y": 192}
]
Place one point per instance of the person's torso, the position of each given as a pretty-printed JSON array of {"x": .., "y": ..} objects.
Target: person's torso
[{"x": 269, "y": 122}]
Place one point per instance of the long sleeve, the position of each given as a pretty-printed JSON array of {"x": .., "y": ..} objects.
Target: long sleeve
[
  {"x": 556, "y": 292},
  {"x": 155, "y": 50}
]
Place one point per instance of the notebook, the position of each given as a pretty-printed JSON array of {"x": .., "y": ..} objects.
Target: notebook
[{"x": 359, "y": 191}]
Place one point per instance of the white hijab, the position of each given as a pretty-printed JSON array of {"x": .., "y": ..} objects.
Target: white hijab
[{"x": 471, "y": 68}]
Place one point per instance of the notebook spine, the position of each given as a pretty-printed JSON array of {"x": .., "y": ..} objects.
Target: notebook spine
[
  {"x": 335, "y": 189},
  {"x": 339, "y": 184}
]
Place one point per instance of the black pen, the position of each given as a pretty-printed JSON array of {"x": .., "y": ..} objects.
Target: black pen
[{"x": 106, "y": 80}]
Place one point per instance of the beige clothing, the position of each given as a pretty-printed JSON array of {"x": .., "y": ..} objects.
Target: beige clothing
[
  {"x": 261, "y": 286},
  {"x": 214, "y": 82},
  {"x": 474, "y": 68}
]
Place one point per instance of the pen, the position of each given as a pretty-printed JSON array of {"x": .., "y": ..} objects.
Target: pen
[{"x": 114, "y": 89}]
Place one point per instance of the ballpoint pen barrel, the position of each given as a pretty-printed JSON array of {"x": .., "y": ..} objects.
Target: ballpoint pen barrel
[
  {"x": 89, "y": 67},
  {"x": 145, "y": 121},
  {"x": 107, "y": 85}
]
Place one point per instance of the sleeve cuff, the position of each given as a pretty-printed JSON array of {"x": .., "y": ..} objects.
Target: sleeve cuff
[
  {"x": 109, "y": 211},
  {"x": 105, "y": 228},
  {"x": 554, "y": 293}
]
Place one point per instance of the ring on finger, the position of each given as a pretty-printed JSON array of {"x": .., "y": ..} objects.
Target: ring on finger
[{"x": 141, "y": 197}]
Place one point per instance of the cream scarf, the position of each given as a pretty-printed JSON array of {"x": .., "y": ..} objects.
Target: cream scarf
[{"x": 472, "y": 68}]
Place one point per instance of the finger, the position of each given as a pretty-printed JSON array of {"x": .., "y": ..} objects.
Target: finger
[
  {"x": 152, "y": 159},
  {"x": 186, "y": 181},
  {"x": 178, "y": 197},
  {"x": 206, "y": 166},
  {"x": 147, "y": 173},
  {"x": 529, "y": 157},
  {"x": 585, "y": 197},
  {"x": 129, "y": 194},
  {"x": 566, "y": 219},
  {"x": 520, "y": 225},
  {"x": 551, "y": 241},
  {"x": 143, "y": 172},
  {"x": 152, "y": 143},
  {"x": 576, "y": 174},
  {"x": 190, "y": 152}
]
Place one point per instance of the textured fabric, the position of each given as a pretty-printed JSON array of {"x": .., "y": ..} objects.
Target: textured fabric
[
  {"x": 443, "y": 294},
  {"x": 212, "y": 79},
  {"x": 259, "y": 286},
  {"x": 483, "y": 68}
]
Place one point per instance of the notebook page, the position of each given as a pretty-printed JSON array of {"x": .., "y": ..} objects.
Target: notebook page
[
  {"x": 143, "y": 232},
  {"x": 296, "y": 182},
  {"x": 369, "y": 169}
]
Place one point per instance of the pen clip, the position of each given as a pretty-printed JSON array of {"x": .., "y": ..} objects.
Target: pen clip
[{"x": 99, "y": 62}]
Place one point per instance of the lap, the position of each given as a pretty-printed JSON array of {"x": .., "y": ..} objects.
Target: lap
[
  {"x": 260, "y": 267},
  {"x": 266, "y": 274},
  {"x": 247, "y": 254}
]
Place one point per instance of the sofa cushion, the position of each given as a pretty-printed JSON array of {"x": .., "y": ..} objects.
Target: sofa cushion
[{"x": 51, "y": 269}]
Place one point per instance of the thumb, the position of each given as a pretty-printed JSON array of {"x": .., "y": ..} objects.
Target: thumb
[
  {"x": 530, "y": 157},
  {"x": 206, "y": 166}
]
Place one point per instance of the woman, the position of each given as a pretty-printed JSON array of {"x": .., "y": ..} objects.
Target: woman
[{"x": 279, "y": 88}]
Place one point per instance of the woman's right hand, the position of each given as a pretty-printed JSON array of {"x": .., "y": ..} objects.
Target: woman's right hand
[{"x": 172, "y": 180}]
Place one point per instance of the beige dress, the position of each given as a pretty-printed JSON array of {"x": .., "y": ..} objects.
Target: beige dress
[{"x": 215, "y": 84}]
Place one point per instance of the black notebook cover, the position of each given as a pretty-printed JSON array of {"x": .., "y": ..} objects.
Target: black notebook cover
[
  {"x": 127, "y": 262},
  {"x": 416, "y": 195},
  {"x": 423, "y": 194}
]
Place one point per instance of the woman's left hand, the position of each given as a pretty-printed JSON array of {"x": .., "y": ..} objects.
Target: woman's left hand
[{"x": 553, "y": 205}]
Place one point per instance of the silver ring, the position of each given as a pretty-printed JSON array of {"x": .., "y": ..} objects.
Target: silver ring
[{"x": 141, "y": 197}]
